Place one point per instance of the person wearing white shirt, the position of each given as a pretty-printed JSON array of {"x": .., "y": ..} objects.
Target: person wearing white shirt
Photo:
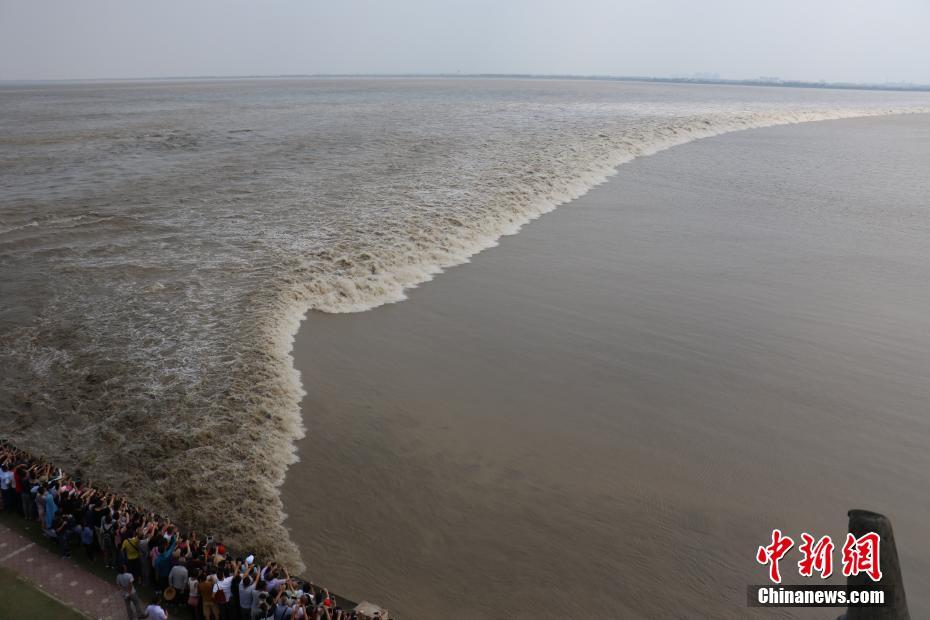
[
  {"x": 6, "y": 485},
  {"x": 155, "y": 611},
  {"x": 225, "y": 584}
]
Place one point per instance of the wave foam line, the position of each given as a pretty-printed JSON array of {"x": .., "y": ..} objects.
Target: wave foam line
[{"x": 358, "y": 292}]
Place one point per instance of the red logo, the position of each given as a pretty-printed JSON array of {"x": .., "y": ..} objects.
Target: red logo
[
  {"x": 860, "y": 555},
  {"x": 772, "y": 554},
  {"x": 817, "y": 557}
]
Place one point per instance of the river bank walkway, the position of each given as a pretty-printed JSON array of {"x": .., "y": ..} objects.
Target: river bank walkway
[{"x": 64, "y": 579}]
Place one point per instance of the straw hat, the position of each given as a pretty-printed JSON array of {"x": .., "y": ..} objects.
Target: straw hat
[{"x": 170, "y": 593}]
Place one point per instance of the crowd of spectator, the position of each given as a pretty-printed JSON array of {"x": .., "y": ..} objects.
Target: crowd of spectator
[{"x": 183, "y": 568}]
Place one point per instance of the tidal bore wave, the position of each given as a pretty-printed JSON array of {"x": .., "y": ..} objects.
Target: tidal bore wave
[{"x": 158, "y": 254}]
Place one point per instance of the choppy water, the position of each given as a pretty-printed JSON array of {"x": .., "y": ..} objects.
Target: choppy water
[{"x": 159, "y": 243}]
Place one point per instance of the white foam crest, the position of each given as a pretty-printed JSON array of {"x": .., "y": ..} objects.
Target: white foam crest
[
  {"x": 341, "y": 294},
  {"x": 360, "y": 290}
]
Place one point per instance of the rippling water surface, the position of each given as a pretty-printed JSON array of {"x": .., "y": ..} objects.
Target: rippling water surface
[
  {"x": 606, "y": 415},
  {"x": 160, "y": 241}
]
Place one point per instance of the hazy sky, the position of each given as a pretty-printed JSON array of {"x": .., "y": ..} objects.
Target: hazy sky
[{"x": 836, "y": 40}]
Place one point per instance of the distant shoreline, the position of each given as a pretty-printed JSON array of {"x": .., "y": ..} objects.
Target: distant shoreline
[{"x": 896, "y": 87}]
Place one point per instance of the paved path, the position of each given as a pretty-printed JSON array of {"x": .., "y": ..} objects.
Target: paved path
[{"x": 61, "y": 577}]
